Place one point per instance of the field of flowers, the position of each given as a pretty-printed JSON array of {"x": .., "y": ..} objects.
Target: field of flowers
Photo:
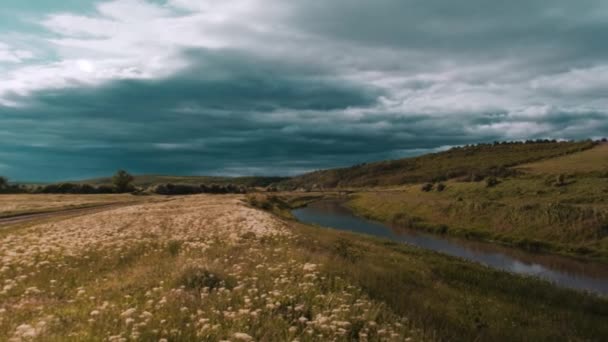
[{"x": 201, "y": 268}]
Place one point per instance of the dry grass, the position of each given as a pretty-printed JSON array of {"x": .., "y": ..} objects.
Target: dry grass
[
  {"x": 197, "y": 268},
  {"x": 28, "y": 203},
  {"x": 593, "y": 160}
]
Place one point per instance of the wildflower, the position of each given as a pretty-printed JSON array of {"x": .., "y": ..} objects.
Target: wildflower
[
  {"x": 309, "y": 267},
  {"x": 128, "y": 312},
  {"x": 242, "y": 336}
]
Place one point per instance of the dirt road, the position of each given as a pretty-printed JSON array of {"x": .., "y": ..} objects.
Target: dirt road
[{"x": 21, "y": 218}]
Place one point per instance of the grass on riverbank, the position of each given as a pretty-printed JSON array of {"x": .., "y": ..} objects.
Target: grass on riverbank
[
  {"x": 448, "y": 298},
  {"x": 451, "y": 299},
  {"x": 528, "y": 211}
]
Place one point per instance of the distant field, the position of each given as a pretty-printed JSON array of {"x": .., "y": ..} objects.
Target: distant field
[
  {"x": 147, "y": 180},
  {"x": 592, "y": 160},
  {"x": 27, "y": 203}
]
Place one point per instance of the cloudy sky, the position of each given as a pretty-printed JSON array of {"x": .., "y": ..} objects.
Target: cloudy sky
[{"x": 274, "y": 87}]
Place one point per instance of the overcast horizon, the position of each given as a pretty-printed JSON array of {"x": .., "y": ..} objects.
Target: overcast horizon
[{"x": 278, "y": 88}]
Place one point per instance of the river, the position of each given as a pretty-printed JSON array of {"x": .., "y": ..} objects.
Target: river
[{"x": 562, "y": 271}]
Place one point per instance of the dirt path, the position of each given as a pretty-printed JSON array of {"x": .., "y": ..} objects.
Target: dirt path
[{"x": 21, "y": 218}]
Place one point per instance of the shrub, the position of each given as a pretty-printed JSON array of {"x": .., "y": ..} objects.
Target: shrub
[
  {"x": 198, "y": 278},
  {"x": 174, "y": 247},
  {"x": 191, "y": 189},
  {"x": 491, "y": 181},
  {"x": 71, "y": 188},
  {"x": 441, "y": 187},
  {"x": 560, "y": 180},
  {"x": 427, "y": 187}
]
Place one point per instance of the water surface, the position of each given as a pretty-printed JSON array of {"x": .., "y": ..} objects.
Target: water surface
[{"x": 562, "y": 271}]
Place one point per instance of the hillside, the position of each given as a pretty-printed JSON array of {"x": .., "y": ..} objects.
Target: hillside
[
  {"x": 148, "y": 180},
  {"x": 558, "y": 204},
  {"x": 474, "y": 162},
  {"x": 589, "y": 161}
]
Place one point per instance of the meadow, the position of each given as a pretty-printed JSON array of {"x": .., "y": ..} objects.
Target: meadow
[
  {"x": 555, "y": 205},
  {"x": 197, "y": 268},
  {"x": 214, "y": 268}
]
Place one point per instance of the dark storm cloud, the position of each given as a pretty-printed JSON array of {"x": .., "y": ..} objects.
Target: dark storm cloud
[
  {"x": 332, "y": 83},
  {"x": 197, "y": 121}
]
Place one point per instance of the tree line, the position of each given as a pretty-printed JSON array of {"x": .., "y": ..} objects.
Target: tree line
[{"x": 121, "y": 182}]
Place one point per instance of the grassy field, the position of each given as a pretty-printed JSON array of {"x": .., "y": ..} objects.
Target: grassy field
[
  {"x": 558, "y": 205},
  {"x": 211, "y": 268},
  {"x": 525, "y": 212},
  {"x": 198, "y": 268},
  {"x": 469, "y": 162},
  {"x": 18, "y": 204},
  {"x": 594, "y": 160}
]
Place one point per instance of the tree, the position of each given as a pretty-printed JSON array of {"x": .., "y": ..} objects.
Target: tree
[
  {"x": 122, "y": 181},
  {"x": 3, "y": 182}
]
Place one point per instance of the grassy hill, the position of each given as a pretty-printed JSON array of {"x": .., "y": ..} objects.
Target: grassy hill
[
  {"x": 558, "y": 205},
  {"x": 148, "y": 180},
  {"x": 473, "y": 162},
  {"x": 590, "y": 161}
]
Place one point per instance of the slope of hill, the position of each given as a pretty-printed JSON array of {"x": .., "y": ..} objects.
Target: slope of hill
[
  {"x": 592, "y": 160},
  {"x": 471, "y": 161},
  {"x": 558, "y": 204}
]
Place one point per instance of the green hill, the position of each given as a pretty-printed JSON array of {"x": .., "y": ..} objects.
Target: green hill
[
  {"x": 558, "y": 204},
  {"x": 473, "y": 162}
]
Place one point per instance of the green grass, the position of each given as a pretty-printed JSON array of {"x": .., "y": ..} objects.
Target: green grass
[
  {"x": 527, "y": 211},
  {"x": 471, "y": 162},
  {"x": 594, "y": 160},
  {"x": 451, "y": 299}
]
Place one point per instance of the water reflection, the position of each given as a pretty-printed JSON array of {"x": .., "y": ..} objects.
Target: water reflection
[{"x": 562, "y": 271}]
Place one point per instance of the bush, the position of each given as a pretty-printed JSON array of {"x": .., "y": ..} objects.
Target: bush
[
  {"x": 560, "y": 180},
  {"x": 198, "y": 278},
  {"x": 191, "y": 189},
  {"x": 441, "y": 187},
  {"x": 491, "y": 182},
  {"x": 174, "y": 247},
  {"x": 71, "y": 188},
  {"x": 427, "y": 187}
]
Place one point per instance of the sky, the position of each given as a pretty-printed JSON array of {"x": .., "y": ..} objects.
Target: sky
[{"x": 274, "y": 87}]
